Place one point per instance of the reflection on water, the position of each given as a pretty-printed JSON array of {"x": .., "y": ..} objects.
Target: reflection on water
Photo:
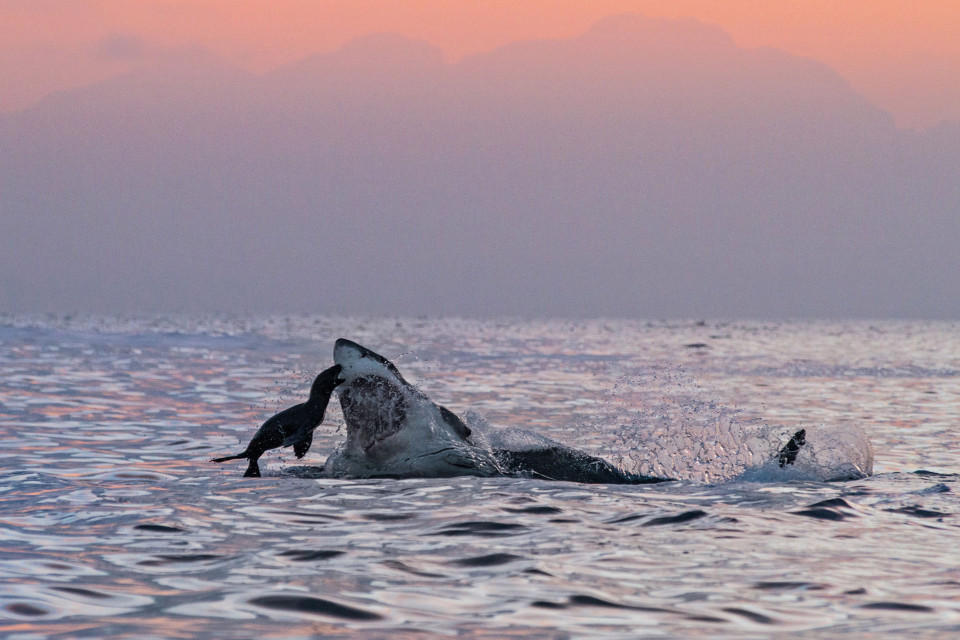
[{"x": 113, "y": 523}]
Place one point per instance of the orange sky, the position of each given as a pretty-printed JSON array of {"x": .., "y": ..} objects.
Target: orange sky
[{"x": 903, "y": 55}]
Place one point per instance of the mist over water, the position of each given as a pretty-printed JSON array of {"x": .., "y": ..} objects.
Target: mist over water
[{"x": 114, "y": 523}]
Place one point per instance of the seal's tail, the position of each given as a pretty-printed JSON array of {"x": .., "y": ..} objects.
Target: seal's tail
[
  {"x": 243, "y": 454},
  {"x": 253, "y": 469}
]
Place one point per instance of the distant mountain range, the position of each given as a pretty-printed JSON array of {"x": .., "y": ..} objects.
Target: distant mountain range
[{"x": 646, "y": 168}]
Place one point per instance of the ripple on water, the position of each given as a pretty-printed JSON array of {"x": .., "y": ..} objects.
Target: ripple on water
[
  {"x": 788, "y": 586},
  {"x": 592, "y": 601},
  {"x": 582, "y": 600},
  {"x": 310, "y": 555},
  {"x": 293, "y": 516},
  {"x": 489, "y": 560},
  {"x": 538, "y": 510},
  {"x": 898, "y": 606},
  {"x": 752, "y": 616},
  {"x": 630, "y": 518},
  {"x": 920, "y": 512},
  {"x": 47, "y": 569},
  {"x": 25, "y": 609},
  {"x": 143, "y": 476},
  {"x": 59, "y": 601},
  {"x": 175, "y": 559},
  {"x": 313, "y": 606},
  {"x": 405, "y": 568},
  {"x": 158, "y": 528},
  {"x": 388, "y": 517},
  {"x": 680, "y": 518},
  {"x": 84, "y": 593},
  {"x": 835, "y": 509},
  {"x": 480, "y": 528}
]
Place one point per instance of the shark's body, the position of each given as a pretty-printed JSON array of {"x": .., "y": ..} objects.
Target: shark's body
[{"x": 394, "y": 429}]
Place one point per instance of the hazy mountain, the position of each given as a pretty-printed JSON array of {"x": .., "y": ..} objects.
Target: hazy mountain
[{"x": 647, "y": 167}]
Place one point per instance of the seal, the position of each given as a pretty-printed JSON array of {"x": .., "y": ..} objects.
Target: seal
[
  {"x": 293, "y": 426},
  {"x": 395, "y": 430}
]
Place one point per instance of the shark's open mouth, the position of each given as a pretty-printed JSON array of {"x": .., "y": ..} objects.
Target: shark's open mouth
[{"x": 373, "y": 408}]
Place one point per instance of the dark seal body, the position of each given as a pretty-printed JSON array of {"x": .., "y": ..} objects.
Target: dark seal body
[{"x": 291, "y": 427}]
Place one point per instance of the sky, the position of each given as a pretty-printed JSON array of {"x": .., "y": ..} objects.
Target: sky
[
  {"x": 480, "y": 161},
  {"x": 904, "y": 56}
]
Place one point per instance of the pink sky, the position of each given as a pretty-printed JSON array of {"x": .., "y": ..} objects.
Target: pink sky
[
  {"x": 646, "y": 167},
  {"x": 904, "y": 56}
]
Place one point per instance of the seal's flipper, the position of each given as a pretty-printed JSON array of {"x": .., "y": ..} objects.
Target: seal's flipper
[
  {"x": 253, "y": 469},
  {"x": 301, "y": 447},
  {"x": 788, "y": 454}
]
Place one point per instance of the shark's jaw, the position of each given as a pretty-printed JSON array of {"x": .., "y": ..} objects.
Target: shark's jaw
[
  {"x": 375, "y": 410},
  {"x": 393, "y": 428},
  {"x": 374, "y": 397}
]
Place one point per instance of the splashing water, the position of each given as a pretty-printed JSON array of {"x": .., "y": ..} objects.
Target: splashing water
[{"x": 670, "y": 427}]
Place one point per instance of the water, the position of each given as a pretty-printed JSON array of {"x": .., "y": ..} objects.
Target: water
[{"x": 114, "y": 524}]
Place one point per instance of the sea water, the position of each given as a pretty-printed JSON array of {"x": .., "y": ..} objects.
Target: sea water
[{"x": 114, "y": 524}]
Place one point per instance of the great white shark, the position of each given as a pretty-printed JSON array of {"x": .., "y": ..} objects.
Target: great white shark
[{"x": 394, "y": 429}]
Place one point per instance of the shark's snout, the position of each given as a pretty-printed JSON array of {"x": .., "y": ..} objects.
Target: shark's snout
[
  {"x": 345, "y": 349},
  {"x": 351, "y": 358},
  {"x": 356, "y": 360}
]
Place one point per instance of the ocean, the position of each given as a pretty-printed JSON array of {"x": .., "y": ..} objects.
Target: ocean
[{"x": 115, "y": 524}]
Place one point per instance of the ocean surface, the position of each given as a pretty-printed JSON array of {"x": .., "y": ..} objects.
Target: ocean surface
[{"x": 114, "y": 524}]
